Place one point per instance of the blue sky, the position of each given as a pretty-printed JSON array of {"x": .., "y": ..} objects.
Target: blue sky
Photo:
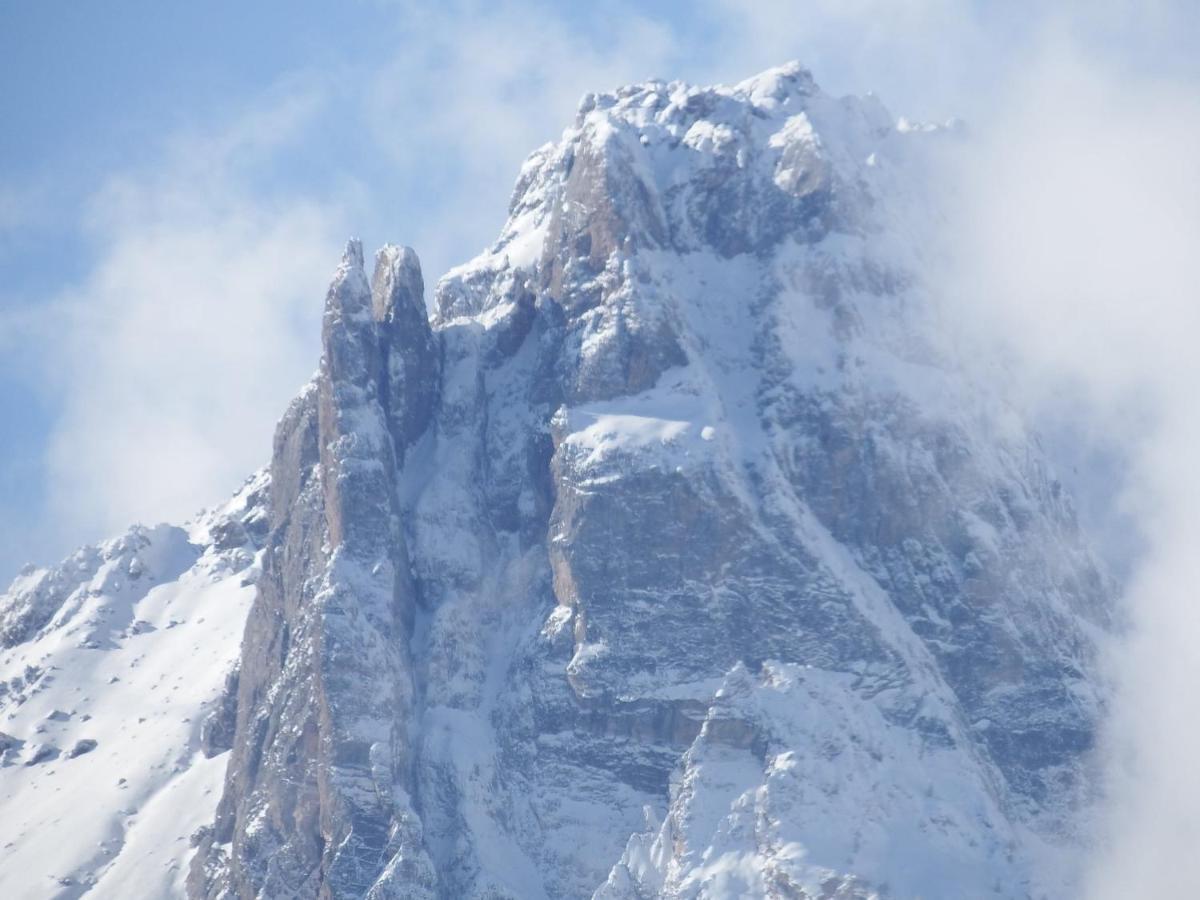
[{"x": 176, "y": 181}]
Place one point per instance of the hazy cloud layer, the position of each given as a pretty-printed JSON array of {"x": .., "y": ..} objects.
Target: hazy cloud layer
[{"x": 1075, "y": 236}]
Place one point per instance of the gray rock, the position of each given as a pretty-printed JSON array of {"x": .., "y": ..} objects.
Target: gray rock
[
  {"x": 661, "y": 546},
  {"x": 10, "y": 749},
  {"x": 42, "y": 753},
  {"x": 82, "y": 746},
  {"x": 217, "y": 729}
]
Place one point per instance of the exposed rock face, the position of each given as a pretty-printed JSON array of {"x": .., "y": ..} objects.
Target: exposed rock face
[
  {"x": 85, "y": 745},
  {"x": 317, "y": 799},
  {"x": 674, "y": 558}
]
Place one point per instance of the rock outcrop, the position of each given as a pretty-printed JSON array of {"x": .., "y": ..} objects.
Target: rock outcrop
[{"x": 677, "y": 559}]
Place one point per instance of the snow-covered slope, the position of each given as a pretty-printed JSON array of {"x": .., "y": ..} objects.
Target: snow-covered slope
[
  {"x": 676, "y": 556},
  {"x": 110, "y": 705}
]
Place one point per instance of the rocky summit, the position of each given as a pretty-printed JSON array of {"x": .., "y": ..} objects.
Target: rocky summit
[{"x": 665, "y": 551}]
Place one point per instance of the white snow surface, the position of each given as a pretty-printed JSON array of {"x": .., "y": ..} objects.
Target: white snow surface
[
  {"x": 851, "y": 794},
  {"x": 133, "y": 661}
]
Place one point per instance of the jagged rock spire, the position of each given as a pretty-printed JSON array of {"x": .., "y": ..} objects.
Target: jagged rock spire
[
  {"x": 322, "y": 737},
  {"x": 411, "y": 356}
]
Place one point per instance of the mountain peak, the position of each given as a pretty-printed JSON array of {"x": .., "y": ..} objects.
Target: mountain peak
[
  {"x": 397, "y": 280},
  {"x": 352, "y": 256},
  {"x": 673, "y": 557},
  {"x": 778, "y": 85},
  {"x": 672, "y": 166}
]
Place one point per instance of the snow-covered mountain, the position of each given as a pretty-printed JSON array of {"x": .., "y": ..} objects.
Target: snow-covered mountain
[
  {"x": 674, "y": 556},
  {"x": 114, "y": 722}
]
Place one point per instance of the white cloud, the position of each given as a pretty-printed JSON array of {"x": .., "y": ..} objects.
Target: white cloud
[
  {"x": 1074, "y": 236},
  {"x": 176, "y": 354},
  {"x": 925, "y": 58},
  {"x": 478, "y": 88}
]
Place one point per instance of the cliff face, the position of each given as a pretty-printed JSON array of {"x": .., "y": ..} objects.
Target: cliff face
[
  {"x": 321, "y": 772},
  {"x": 674, "y": 557},
  {"x": 673, "y": 561}
]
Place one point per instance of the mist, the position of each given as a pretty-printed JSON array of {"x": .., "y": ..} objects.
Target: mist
[{"x": 1071, "y": 232}]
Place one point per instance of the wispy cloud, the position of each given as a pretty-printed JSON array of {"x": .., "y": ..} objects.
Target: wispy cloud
[
  {"x": 1076, "y": 238},
  {"x": 176, "y": 353},
  {"x": 478, "y": 88}
]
